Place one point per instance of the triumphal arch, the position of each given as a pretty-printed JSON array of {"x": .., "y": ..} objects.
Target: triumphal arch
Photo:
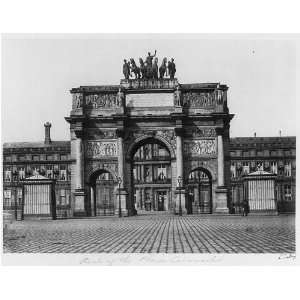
[{"x": 150, "y": 144}]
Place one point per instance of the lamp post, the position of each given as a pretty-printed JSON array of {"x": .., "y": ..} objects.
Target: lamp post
[
  {"x": 179, "y": 184},
  {"x": 119, "y": 182}
]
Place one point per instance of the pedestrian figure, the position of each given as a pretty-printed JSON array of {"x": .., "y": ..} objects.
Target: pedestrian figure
[{"x": 245, "y": 208}]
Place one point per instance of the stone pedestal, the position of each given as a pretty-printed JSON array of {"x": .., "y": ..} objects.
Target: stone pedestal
[
  {"x": 180, "y": 198},
  {"x": 121, "y": 197},
  {"x": 221, "y": 201},
  {"x": 79, "y": 207}
]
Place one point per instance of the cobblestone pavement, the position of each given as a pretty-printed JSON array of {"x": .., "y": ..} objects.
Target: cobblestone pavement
[{"x": 154, "y": 234}]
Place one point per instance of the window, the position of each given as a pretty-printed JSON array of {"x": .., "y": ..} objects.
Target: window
[
  {"x": 288, "y": 169},
  {"x": 162, "y": 172},
  {"x": 49, "y": 172},
  {"x": 63, "y": 157},
  {"x": 246, "y": 167},
  {"x": 273, "y": 153},
  {"x": 7, "y": 199},
  {"x": 253, "y": 153},
  {"x": 22, "y": 158},
  {"x": 134, "y": 173},
  {"x": 36, "y": 157},
  {"x": 49, "y": 157},
  {"x": 246, "y": 153},
  {"x": 62, "y": 197},
  {"x": 7, "y": 158},
  {"x": 233, "y": 170},
  {"x": 63, "y": 174},
  {"x": 35, "y": 170},
  {"x": 259, "y": 166},
  {"x": 147, "y": 174},
  {"x": 22, "y": 173},
  {"x": 7, "y": 175},
  {"x": 274, "y": 167},
  {"x": 259, "y": 153},
  {"x": 266, "y": 152},
  {"x": 287, "y": 192}
]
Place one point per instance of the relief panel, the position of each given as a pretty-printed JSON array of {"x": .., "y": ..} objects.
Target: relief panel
[
  {"x": 101, "y": 149},
  {"x": 203, "y": 147}
]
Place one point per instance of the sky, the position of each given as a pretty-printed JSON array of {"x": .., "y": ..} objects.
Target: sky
[{"x": 38, "y": 72}]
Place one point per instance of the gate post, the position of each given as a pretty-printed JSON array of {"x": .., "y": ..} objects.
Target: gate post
[{"x": 53, "y": 200}]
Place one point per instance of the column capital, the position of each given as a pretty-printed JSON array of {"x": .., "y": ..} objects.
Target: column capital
[
  {"x": 219, "y": 131},
  {"x": 179, "y": 131},
  {"x": 79, "y": 132},
  {"x": 120, "y": 133}
]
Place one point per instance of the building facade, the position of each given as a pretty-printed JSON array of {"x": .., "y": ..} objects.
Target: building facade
[{"x": 149, "y": 145}]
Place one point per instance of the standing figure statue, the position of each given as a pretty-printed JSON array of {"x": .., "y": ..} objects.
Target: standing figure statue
[
  {"x": 163, "y": 68},
  {"x": 149, "y": 59},
  {"x": 142, "y": 68},
  {"x": 172, "y": 68},
  {"x": 126, "y": 69},
  {"x": 135, "y": 69},
  {"x": 155, "y": 68}
]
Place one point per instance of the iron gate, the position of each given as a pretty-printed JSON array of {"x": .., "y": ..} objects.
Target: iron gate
[{"x": 38, "y": 197}]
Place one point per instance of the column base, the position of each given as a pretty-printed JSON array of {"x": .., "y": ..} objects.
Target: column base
[
  {"x": 123, "y": 200},
  {"x": 221, "y": 201},
  {"x": 180, "y": 201},
  {"x": 79, "y": 207}
]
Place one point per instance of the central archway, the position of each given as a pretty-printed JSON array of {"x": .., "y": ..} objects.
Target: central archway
[
  {"x": 151, "y": 176},
  {"x": 199, "y": 195}
]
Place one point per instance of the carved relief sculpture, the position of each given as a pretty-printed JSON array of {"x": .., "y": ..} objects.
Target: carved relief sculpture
[
  {"x": 102, "y": 101},
  {"x": 197, "y": 99},
  {"x": 100, "y": 149},
  {"x": 77, "y": 100},
  {"x": 201, "y": 147}
]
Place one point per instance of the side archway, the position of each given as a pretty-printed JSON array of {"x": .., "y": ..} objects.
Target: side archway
[
  {"x": 199, "y": 194},
  {"x": 102, "y": 185}
]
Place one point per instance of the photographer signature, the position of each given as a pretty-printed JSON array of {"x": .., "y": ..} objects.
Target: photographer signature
[{"x": 291, "y": 256}]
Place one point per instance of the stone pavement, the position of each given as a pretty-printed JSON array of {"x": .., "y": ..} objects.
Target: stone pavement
[{"x": 159, "y": 233}]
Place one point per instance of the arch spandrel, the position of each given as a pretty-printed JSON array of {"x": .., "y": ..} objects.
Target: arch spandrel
[
  {"x": 139, "y": 141},
  {"x": 206, "y": 166},
  {"x": 101, "y": 169}
]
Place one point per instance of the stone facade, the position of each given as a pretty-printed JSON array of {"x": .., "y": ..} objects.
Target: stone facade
[{"x": 139, "y": 145}]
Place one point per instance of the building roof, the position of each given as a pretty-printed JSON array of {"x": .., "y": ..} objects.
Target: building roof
[
  {"x": 285, "y": 141},
  {"x": 19, "y": 145}
]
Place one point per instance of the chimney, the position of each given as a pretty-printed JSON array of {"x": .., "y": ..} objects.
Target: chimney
[
  {"x": 47, "y": 133},
  {"x": 279, "y": 133},
  {"x": 255, "y": 134}
]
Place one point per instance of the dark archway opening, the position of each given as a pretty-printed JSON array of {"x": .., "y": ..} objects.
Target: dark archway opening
[
  {"x": 151, "y": 176},
  {"x": 199, "y": 192},
  {"x": 102, "y": 193}
]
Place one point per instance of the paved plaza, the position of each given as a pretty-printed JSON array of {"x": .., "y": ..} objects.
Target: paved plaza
[{"x": 154, "y": 233}]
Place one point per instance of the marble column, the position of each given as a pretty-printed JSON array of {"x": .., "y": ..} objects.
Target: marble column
[
  {"x": 180, "y": 191},
  {"x": 121, "y": 194},
  {"x": 79, "y": 207},
  {"x": 120, "y": 159},
  {"x": 220, "y": 160},
  {"x": 221, "y": 191},
  {"x": 79, "y": 163}
]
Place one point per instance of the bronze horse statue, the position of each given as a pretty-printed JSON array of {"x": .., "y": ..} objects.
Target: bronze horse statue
[
  {"x": 135, "y": 69},
  {"x": 163, "y": 68}
]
